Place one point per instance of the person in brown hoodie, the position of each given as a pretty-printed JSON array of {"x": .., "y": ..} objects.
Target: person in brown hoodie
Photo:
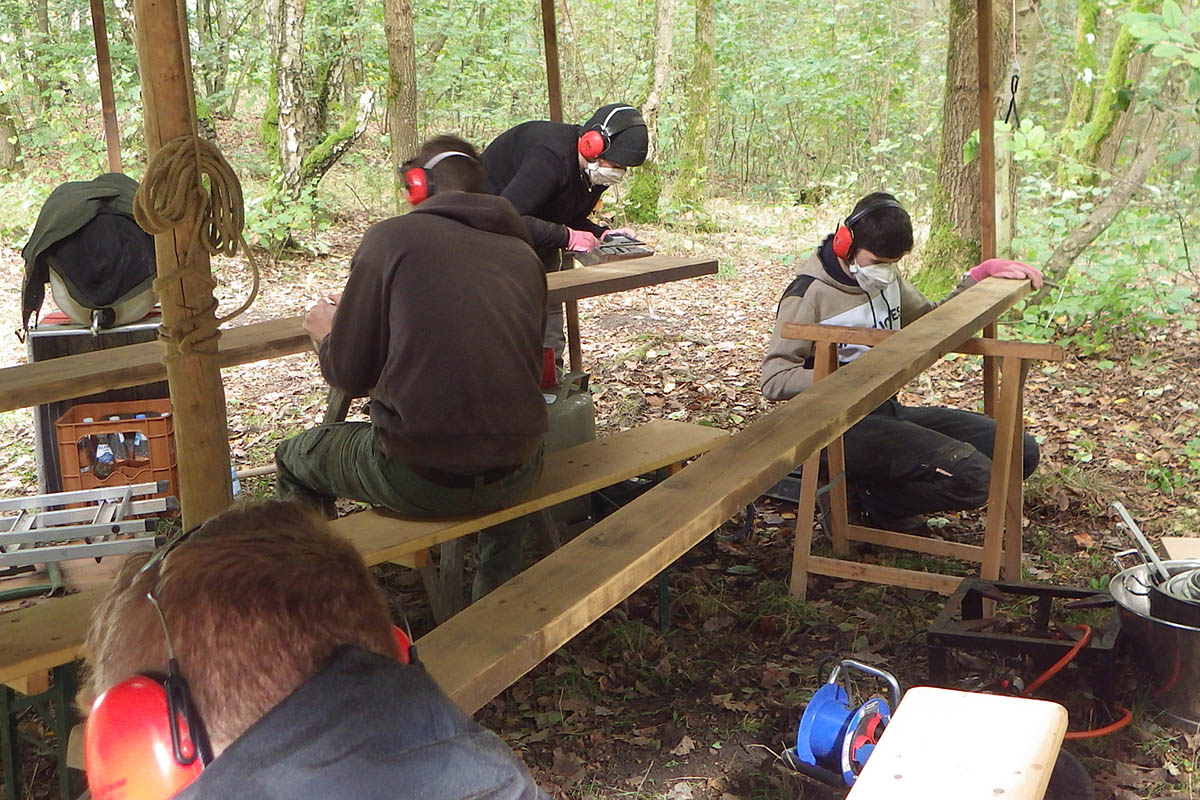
[{"x": 441, "y": 324}]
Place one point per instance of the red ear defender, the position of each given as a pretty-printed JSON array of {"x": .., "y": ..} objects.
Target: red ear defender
[
  {"x": 127, "y": 745},
  {"x": 843, "y": 237},
  {"x": 416, "y": 185},
  {"x": 403, "y": 645},
  {"x": 592, "y": 144}
]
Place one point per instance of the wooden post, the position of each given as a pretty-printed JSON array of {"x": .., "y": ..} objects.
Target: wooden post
[
  {"x": 108, "y": 103},
  {"x": 197, "y": 394},
  {"x": 554, "y": 90},
  {"x": 987, "y": 178},
  {"x": 553, "y": 81}
]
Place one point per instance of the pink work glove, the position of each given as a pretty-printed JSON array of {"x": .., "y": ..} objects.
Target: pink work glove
[
  {"x": 581, "y": 241},
  {"x": 1002, "y": 268},
  {"x": 620, "y": 232}
]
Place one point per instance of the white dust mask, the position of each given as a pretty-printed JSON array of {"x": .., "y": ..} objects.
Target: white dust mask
[
  {"x": 875, "y": 277},
  {"x": 604, "y": 176}
]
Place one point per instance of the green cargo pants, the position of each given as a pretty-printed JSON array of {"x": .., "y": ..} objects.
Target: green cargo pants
[{"x": 343, "y": 459}]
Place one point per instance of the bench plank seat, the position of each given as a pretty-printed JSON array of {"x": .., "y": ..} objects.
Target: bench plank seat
[
  {"x": 51, "y": 633},
  {"x": 573, "y": 472}
]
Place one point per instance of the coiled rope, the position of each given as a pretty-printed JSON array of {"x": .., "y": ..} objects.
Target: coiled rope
[{"x": 173, "y": 192}]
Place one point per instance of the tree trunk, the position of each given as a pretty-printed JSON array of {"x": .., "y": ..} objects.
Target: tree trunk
[
  {"x": 641, "y": 202},
  {"x": 1083, "y": 92},
  {"x": 10, "y": 142},
  {"x": 126, "y": 24},
  {"x": 954, "y": 236},
  {"x": 292, "y": 103},
  {"x": 689, "y": 184},
  {"x": 1121, "y": 188},
  {"x": 41, "y": 10},
  {"x": 1114, "y": 95},
  {"x": 402, "y": 88},
  {"x": 319, "y": 160}
]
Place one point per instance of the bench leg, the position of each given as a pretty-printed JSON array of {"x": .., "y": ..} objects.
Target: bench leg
[
  {"x": 805, "y": 508},
  {"x": 10, "y": 745},
  {"x": 443, "y": 582}
]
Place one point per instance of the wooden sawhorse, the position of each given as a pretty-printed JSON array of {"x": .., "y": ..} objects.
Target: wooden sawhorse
[{"x": 1002, "y": 533}]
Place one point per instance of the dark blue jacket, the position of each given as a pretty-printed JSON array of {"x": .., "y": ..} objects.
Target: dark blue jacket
[{"x": 366, "y": 727}]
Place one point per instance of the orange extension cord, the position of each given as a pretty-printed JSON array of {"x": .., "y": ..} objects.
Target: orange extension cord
[{"x": 1126, "y": 714}]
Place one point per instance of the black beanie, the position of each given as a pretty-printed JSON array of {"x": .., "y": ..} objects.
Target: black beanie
[{"x": 628, "y": 138}]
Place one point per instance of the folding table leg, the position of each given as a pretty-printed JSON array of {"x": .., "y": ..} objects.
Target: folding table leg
[
  {"x": 10, "y": 745},
  {"x": 1016, "y": 478},
  {"x": 1007, "y": 411},
  {"x": 805, "y": 508}
]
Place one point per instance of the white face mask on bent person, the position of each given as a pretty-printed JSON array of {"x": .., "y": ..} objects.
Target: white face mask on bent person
[
  {"x": 874, "y": 278},
  {"x": 604, "y": 176}
]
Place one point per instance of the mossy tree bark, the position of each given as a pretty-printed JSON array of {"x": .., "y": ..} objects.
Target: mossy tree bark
[
  {"x": 688, "y": 191},
  {"x": 641, "y": 204},
  {"x": 1083, "y": 91},
  {"x": 306, "y": 150},
  {"x": 1116, "y": 96},
  {"x": 10, "y": 141},
  {"x": 954, "y": 236}
]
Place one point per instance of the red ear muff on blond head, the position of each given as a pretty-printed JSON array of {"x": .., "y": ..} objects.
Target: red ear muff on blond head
[
  {"x": 418, "y": 182},
  {"x": 843, "y": 237},
  {"x": 127, "y": 744}
]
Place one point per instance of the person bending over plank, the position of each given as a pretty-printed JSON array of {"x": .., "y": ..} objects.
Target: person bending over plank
[
  {"x": 902, "y": 462},
  {"x": 297, "y": 683},
  {"x": 555, "y": 172},
  {"x": 441, "y": 323}
]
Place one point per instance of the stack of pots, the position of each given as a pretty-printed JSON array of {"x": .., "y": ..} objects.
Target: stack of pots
[{"x": 1159, "y": 606}]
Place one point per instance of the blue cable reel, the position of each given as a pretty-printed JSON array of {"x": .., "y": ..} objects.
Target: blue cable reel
[{"x": 833, "y": 736}]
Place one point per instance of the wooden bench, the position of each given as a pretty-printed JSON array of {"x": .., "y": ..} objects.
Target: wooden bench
[
  {"x": 573, "y": 472},
  {"x": 943, "y": 743},
  {"x": 48, "y": 634}
]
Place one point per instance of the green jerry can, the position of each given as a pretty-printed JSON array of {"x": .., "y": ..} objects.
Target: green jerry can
[
  {"x": 571, "y": 411},
  {"x": 572, "y": 421}
]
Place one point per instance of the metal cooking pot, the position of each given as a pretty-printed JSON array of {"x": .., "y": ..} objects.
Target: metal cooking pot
[
  {"x": 1172, "y": 648},
  {"x": 1177, "y": 599}
]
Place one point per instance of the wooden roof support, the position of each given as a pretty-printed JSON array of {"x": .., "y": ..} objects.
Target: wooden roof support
[
  {"x": 987, "y": 145},
  {"x": 108, "y": 103},
  {"x": 197, "y": 394}
]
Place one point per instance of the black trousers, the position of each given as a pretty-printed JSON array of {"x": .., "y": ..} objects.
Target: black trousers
[{"x": 905, "y": 460}]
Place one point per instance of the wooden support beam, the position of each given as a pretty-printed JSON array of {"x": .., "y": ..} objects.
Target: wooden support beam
[
  {"x": 515, "y": 627},
  {"x": 108, "y": 103},
  {"x": 197, "y": 394},
  {"x": 870, "y": 337},
  {"x": 119, "y": 367}
]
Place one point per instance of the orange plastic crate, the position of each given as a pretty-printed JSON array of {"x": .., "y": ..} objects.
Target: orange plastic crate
[{"x": 158, "y": 429}]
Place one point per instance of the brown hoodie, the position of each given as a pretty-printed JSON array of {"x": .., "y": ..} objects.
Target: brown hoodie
[{"x": 441, "y": 322}]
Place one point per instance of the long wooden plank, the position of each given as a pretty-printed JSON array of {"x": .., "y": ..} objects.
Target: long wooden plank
[
  {"x": 120, "y": 367},
  {"x": 919, "y": 756},
  {"x": 568, "y": 473},
  {"x": 48, "y": 634},
  {"x": 869, "y": 337},
  {"x": 482, "y": 650}
]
